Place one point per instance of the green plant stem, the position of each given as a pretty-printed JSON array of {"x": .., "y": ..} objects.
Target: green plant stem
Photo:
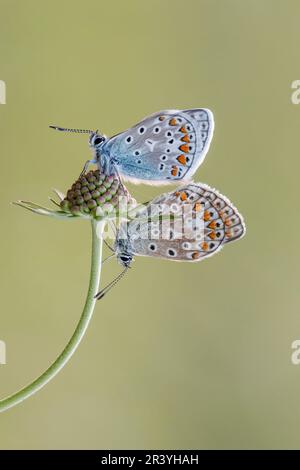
[{"x": 63, "y": 358}]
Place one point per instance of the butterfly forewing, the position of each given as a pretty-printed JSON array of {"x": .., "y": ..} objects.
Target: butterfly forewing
[
  {"x": 163, "y": 148},
  {"x": 189, "y": 224}
]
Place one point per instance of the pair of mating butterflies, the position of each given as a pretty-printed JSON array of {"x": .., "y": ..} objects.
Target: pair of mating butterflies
[{"x": 188, "y": 224}]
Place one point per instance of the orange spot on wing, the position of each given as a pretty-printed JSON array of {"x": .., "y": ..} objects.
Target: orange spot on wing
[
  {"x": 183, "y": 129},
  {"x": 185, "y": 138},
  {"x": 227, "y": 222},
  {"x": 161, "y": 118},
  {"x": 212, "y": 235},
  {"x": 197, "y": 206},
  {"x": 177, "y": 193},
  {"x": 183, "y": 196},
  {"x": 204, "y": 246},
  {"x": 184, "y": 148},
  {"x": 174, "y": 171},
  {"x": 206, "y": 216},
  {"x": 182, "y": 159},
  {"x": 196, "y": 255},
  {"x": 173, "y": 122},
  {"x": 212, "y": 225}
]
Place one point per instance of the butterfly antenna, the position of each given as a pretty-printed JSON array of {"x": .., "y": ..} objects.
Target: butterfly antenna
[
  {"x": 66, "y": 129},
  {"x": 107, "y": 288}
]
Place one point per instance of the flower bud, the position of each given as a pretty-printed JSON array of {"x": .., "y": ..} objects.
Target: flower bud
[{"x": 92, "y": 190}]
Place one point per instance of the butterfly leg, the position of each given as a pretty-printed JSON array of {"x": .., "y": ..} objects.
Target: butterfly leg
[
  {"x": 86, "y": 165},
  {"x": 108, "y": 245},
  {"x": 108, "y": 166},
  {"x": 115, "y": 169},
  {"x": 103, "y": 163}
]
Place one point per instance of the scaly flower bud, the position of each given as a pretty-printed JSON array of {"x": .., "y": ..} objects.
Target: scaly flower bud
[{"x": 94, "y": 190}]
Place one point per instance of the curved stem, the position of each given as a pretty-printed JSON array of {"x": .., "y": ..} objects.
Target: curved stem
[{"x": 63, "y": 358}]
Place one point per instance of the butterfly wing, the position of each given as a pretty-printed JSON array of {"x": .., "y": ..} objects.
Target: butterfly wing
[
  {"x": 202, "y": 221},
  {"x": 165, "y": 147}
]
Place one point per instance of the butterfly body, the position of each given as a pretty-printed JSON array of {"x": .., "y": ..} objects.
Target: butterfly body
[{"x": 163, "y": 148}]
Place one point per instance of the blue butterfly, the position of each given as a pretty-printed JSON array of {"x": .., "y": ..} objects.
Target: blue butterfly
[
  {"x": 189, "y": 224},
  {"x": 163, "y": 148}
]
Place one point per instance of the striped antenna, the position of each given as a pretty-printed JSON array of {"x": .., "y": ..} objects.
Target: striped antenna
[
  {"x": 78, "y": 131},
  {"x": 104, "y": 291}
]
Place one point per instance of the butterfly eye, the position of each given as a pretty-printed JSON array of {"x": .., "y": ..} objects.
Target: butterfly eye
[
  {"x": 98, "y": 140},
  {"x": 125, "y": 258}
]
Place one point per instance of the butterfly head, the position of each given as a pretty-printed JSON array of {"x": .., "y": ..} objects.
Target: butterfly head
[
  {"x": 96, "y": 140},
  {"x": 125, "y": 259},
  {"x": 122, "y": 248}
]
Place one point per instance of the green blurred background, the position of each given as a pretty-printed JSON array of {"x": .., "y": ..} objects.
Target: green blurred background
[{"x": 178, "y": 355}]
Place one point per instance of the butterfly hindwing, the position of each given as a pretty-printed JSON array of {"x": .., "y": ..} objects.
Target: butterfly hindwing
[
  {"x": 165, "y": 147},
  {"x": 202, "y": 221}
]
